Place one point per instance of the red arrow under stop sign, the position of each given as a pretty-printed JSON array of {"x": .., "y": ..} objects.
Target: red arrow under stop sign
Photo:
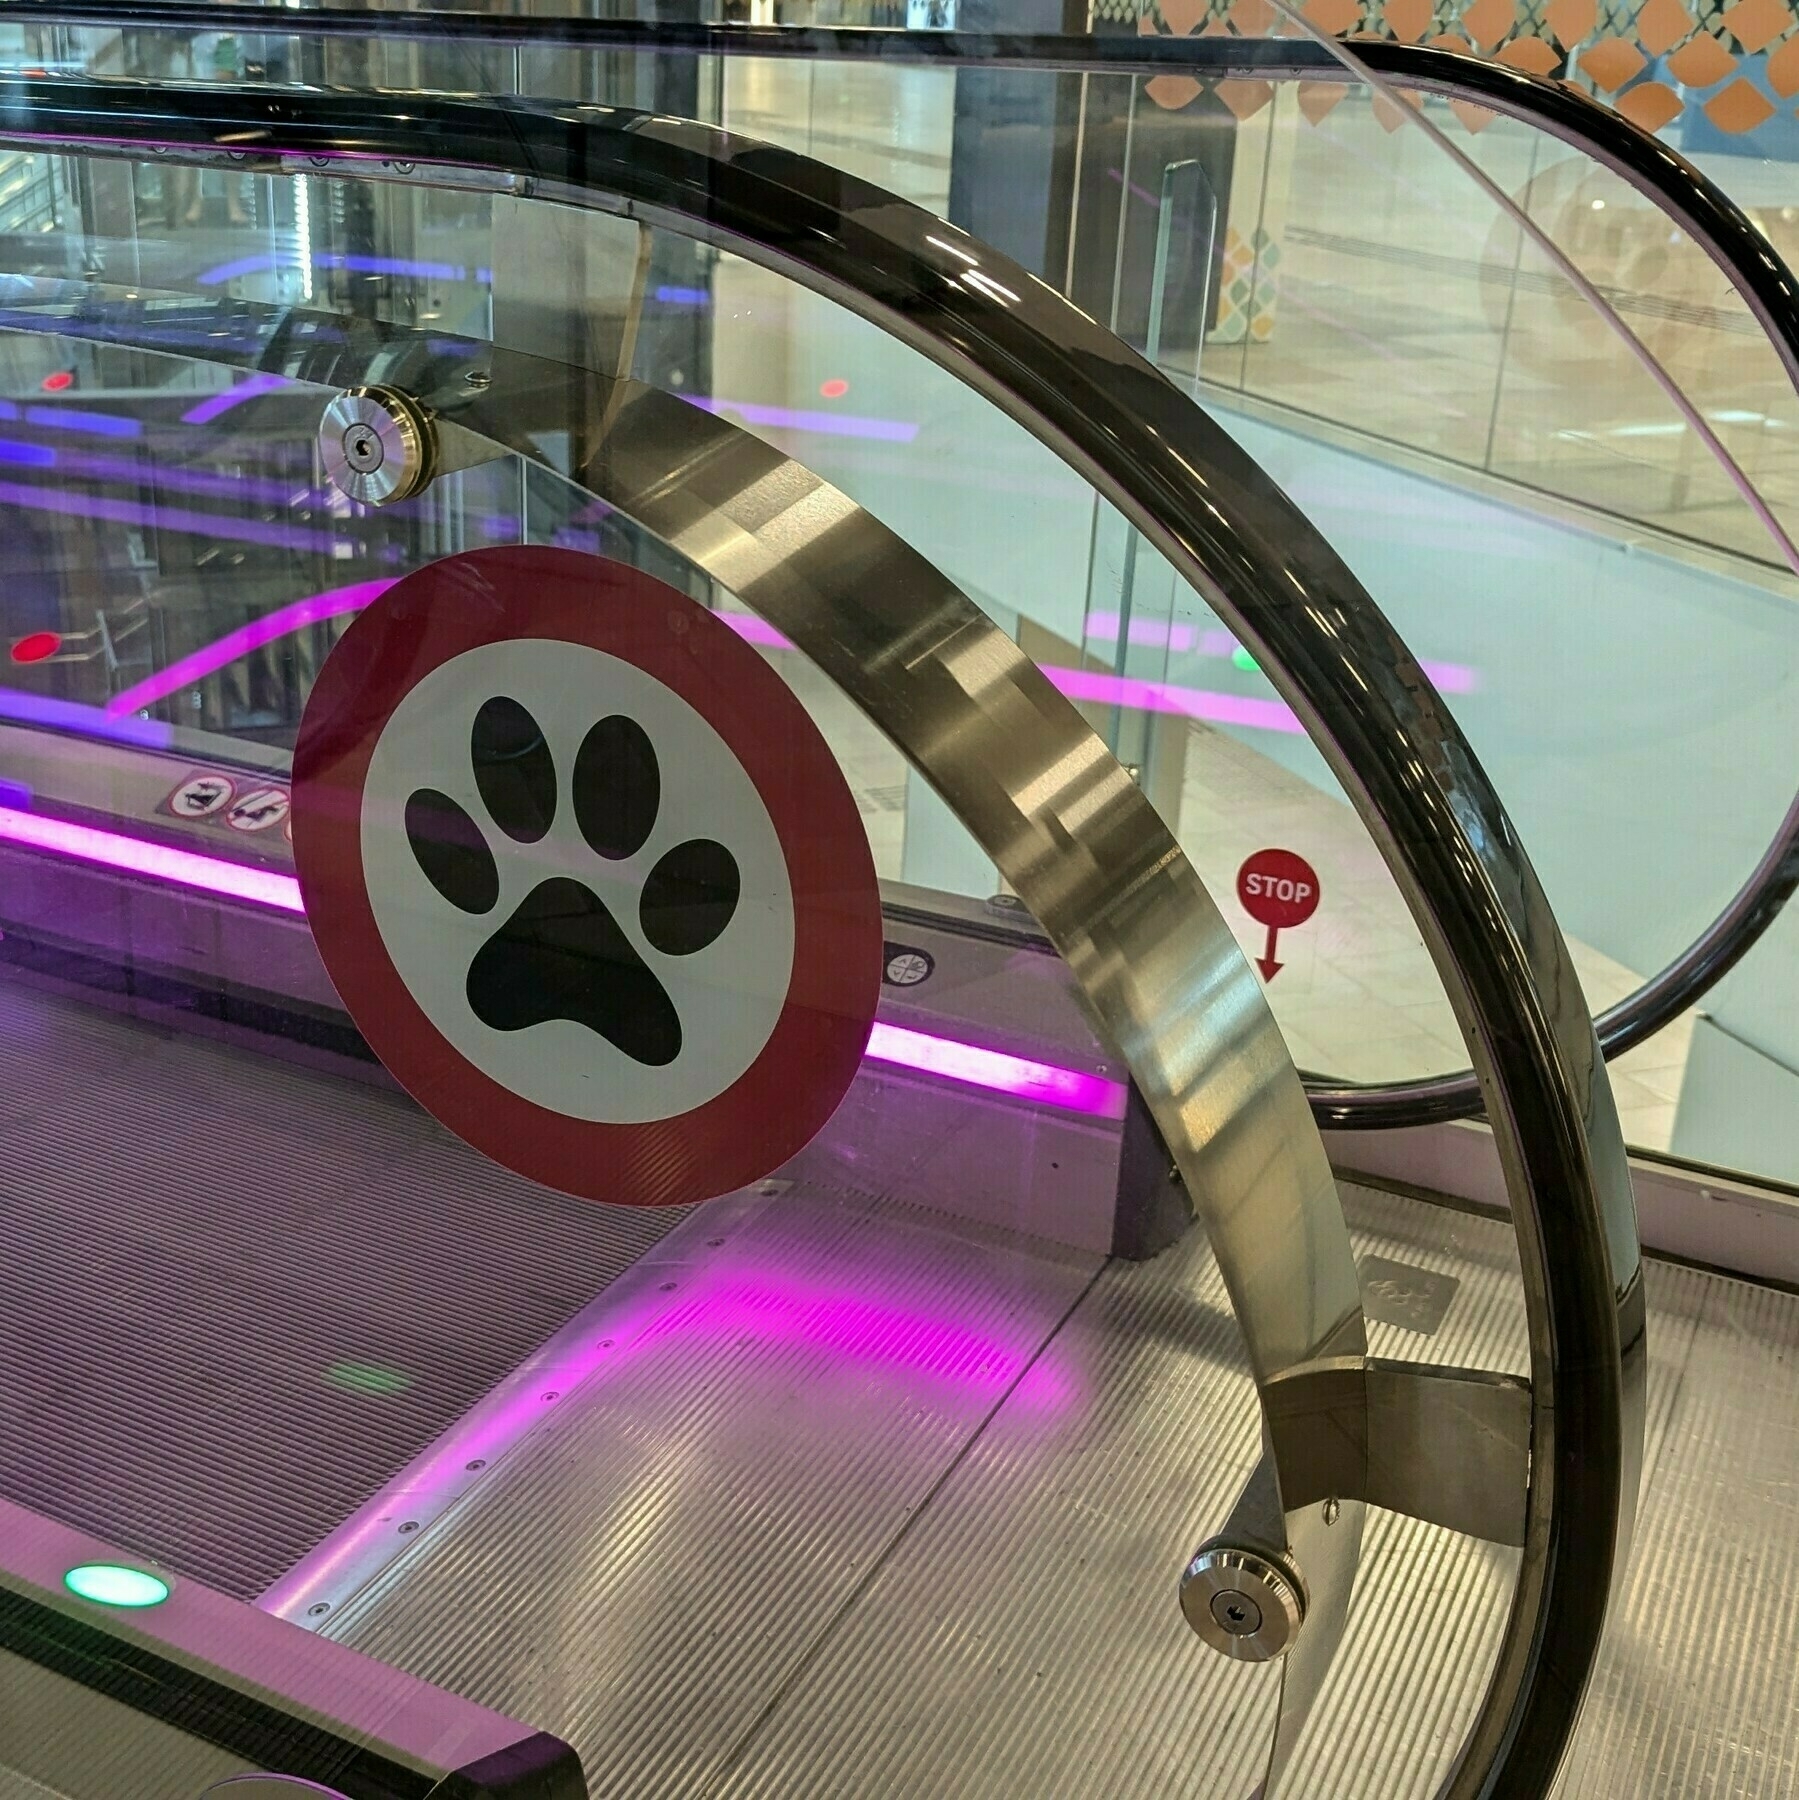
[{"x": 1279, "y": 890}]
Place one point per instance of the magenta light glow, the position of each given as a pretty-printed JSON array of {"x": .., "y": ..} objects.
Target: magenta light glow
[
  {"x": 210, "y": 658},
  {"x": 1166, "y": 697},
  {"x": 860, "y": 1349},
  {"x": 157, "y": 862},
  {"x": 754, "y": 630},
  {"x": 970, "y": 1064},
  {"x": 975, "y": 1066}
]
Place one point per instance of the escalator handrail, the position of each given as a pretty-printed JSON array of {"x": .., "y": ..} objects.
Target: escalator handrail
[
  {"x": 1682, "y": 192},
  {"x": 1176, "y": 476}
]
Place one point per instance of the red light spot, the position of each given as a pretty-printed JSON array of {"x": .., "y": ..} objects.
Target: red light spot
[
  {"x": 36, "y": 646},
  {"x": 835, "y": 388},
  {"x": 59, "y": 382}
]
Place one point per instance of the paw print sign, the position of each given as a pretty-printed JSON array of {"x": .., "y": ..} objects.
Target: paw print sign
[{"x": 586, "y": 875}]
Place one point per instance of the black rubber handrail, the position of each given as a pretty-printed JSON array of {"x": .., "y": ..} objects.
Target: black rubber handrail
[{"x": 1709, "y": 217}]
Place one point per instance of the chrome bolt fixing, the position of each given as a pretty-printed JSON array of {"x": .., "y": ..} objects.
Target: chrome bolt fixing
[
  {"x": 377, "y": 445},
  {"x": 1246, "y": 1605}
]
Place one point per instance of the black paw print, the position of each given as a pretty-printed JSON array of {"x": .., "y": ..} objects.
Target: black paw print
[{"x": 562, "y": 955}]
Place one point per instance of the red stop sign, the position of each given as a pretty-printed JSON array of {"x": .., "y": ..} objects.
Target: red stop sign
[{"x": 1278, "y": 889}]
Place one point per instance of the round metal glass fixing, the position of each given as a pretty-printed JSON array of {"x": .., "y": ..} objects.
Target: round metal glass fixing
[
  {"x": 116, "y": 1584},
  {"x": 1247, "y": 1606},
  {"x": 376, "y": 445}
]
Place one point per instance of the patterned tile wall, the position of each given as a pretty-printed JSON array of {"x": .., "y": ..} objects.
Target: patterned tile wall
[
  {"x": 1738, "y": 62},
  {"x": 1734, "y": 61}
]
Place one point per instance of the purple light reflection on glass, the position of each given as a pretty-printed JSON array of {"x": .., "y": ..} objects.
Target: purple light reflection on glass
[
  {"x": 156, "y": 476},
  {"x": 1099, "y": 688},
  {"x": 33, "y": 456},
  {"x": 76, "y": 418},
  {"x": 354, "y": 265},
  {"x": 88, "y": 721},
  {"x": 393, "y": 265},
  {"x": 156, "y": 862},
  {"x": 210, "y": 408},
  {"x": 233, "y": 271},
  {"x": 1165, "y": 697},
  {"x": 783, "y": 418},
  {"x": 1102, "y": 628},
  {"x": 332, "y": 604},
  {"x": 170, "y": 518},
  {"x": 754, "y": 630}
]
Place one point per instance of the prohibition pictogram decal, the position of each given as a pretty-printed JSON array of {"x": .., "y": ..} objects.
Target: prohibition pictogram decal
[{"x": 586, "y": 875}]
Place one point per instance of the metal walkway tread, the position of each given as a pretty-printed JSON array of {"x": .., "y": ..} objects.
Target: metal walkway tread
[
  {"x": 215, "y": 1348},
  {"x": 661, "y": 1554},
  {"x": 1695, "y": 1693},
  {"x": 871, "y": 1504}
]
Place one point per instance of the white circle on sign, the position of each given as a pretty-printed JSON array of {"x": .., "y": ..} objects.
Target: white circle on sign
[
  {"x": 200, "y": 796},
  {"x": 259, "y": 809},
  {"x": 727, "y": 996}
]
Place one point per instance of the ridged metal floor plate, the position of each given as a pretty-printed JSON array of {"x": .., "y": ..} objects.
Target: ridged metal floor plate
[
  {"x": 658, "y": 1559},
  {"x": 777, "y": 1549},
  {"x": 845, "y": 1498},
  {"x": 1696, "y": 1691},
  {"x": 235, "y": 1296}
]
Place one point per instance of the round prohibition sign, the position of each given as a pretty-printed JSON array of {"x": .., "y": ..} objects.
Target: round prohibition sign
[{"x": 586, "y": 875}]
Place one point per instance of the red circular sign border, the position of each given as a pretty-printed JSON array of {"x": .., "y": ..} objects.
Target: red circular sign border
[{"x": 491, "y": 596}]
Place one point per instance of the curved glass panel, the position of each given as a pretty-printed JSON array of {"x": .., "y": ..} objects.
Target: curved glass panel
[
  {"x": 882, "y": 1286},
  {"x": 1594, "y": 600}
]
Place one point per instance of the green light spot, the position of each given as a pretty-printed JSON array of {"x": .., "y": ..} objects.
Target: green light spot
[
  {"x": 1244, "y": 661},
  {"x": 367, "y": 1378},
  {"x": 107, "y": 1584}
]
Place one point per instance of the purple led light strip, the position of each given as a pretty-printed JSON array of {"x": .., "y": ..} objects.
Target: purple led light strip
[
  {"x": 214, "y": 404},
  {"x": 969, "y": 1065},
  {"x": 973, "y": 1065},
  {"x": 239, "y": 643},
  {"x": 156, "y": 862}
]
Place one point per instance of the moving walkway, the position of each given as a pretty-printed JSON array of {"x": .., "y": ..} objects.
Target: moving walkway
[{"x": 1056, "y": 1420}]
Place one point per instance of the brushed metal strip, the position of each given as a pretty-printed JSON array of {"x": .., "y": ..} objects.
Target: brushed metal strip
[
  {"x": 1448, "y": 1445},
  {"x": 1695, "y": 1693}
]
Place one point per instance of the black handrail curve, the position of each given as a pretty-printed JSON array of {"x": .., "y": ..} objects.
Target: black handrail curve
[
  {"x": 1176, "y": 476},
  {"x": 1664, "y": 177}
]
